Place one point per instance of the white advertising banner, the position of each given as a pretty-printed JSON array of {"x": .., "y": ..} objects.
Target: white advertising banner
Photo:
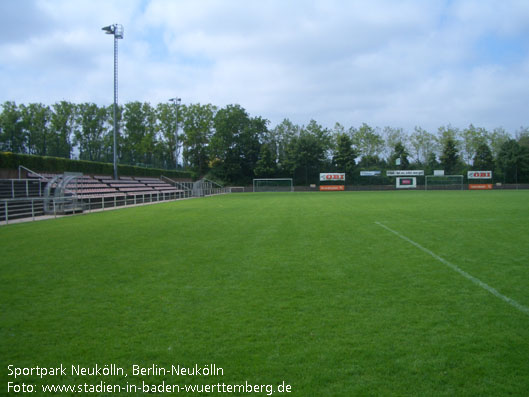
[
  {"x": 479, "y": 175},
  {"x": 369, "y": 173},
  {"x": 332, "y": 176},
  {"x": 405, "y": 173}
]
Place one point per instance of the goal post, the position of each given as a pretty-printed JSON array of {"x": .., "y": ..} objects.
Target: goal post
[
  {"x": 445, "y": 182},
  {"x": 273, "y": 185}
]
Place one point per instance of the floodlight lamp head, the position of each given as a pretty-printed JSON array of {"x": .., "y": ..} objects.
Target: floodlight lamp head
[
  {"x": 116, "y": 29},
  {"x": 108, "y": 29}
]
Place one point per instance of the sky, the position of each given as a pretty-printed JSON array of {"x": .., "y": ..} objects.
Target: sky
[{"x": 397, "y": 63}]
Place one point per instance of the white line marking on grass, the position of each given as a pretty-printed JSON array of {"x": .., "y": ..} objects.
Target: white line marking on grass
[{"x": 470, "y": 277}]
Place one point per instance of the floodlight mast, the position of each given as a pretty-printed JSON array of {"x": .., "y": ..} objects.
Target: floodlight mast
[
  {"x": 116, "y": 30},
  {"x": 176, "y": 102}
]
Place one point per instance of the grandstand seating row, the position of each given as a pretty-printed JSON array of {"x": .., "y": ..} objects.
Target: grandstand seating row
[{"x": 105, "y": 186}]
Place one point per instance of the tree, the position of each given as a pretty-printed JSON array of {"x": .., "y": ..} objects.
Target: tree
[
  {"x": 322, "y": 135},
  {"x": 496, "y": 139},
  {"x": 139, "y": 134},
  {"x": 306, "y": 153},
  {"x": 91, "y": 129},
  {"x": 431, "y": 164},
  {"x": 235, "y": 144},
  {"x": 250, "y": 143},
  {"x": 235, "y": 147},
  {"x": 62, "y": 123},
  {"x": 393, "y": 136},
  {"x": 445, "y": 134},
  {"x": 149, "y": 141},
  {"x": 513, "y": 161},
  {"x": 422, "y": 144},
  {"x": 35, "y": 121},
  {"x": 198, "y": 124},
  {"x": 368, "y": 142},
  {"x": 399, "y": 158},
  {"x": 166, "y": 129},
  {"x": 449, "y": 157},
  {"x": 278, "y": 139},
  {"x": 305, "y": 157},
  {"x": 472, "y": 138},
  {"x": 483, "y": 159},
  {"x": 107, "y": 151},
  {"x": 522, "y": 136},
  {"x": 12, "y": 134},
  {"x": 344, "y": 158},
  {"x": 372, "y": 162},
  {"x": 266, "y": 166},
  {"x": 338, "y": 129}
]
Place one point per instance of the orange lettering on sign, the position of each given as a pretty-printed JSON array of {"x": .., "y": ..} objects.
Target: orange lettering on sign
[
  {"x": 480, "y": 186},
  {"x": 331, "y": 187}
]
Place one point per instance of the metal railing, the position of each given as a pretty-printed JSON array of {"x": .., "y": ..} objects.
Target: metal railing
[
  {"x": 29, "y": 207},
  {"x": 34, "y": 207},
  {"x": 178, "y": 184},
  {"x": 21, "y": 167},
  {"x": 20, "y": 188},
  {"x": 200, "y": 188}
]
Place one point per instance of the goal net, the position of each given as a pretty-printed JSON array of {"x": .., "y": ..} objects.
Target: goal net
[
  {"x": 445, "y": 182},
  {"x": 273, "y": 185}
]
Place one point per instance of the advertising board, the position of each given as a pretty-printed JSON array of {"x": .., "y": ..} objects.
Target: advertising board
[
  {"x": 479, "y": 175},
  {"x": 405, "y": 173},
  {"x": 480, "y": 186},
  {"x": 326, "y": 188},
  {"x": 332, "y": 176},
  {"x": 370, "y": 173},
  {"x": 406, "y": 183}
]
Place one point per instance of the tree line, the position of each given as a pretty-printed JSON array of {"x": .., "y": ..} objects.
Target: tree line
[{"x": 231, "y": 146}]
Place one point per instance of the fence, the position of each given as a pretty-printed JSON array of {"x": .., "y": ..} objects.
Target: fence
[
  {"x": 356, "y": 188},
  {"x": 38, "y": 207}
]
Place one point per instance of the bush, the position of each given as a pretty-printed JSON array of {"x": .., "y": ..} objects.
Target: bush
[{"x": 59, "y": 165}]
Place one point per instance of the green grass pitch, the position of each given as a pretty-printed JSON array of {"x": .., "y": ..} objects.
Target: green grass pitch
[{"x": 301, "y": 288}]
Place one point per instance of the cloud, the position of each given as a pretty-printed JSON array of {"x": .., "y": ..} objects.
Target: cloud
[
  {"x": 19, "y": 20},
  {"x": 381, "y": 62}
]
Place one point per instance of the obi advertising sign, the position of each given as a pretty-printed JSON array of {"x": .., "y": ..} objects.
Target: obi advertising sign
[
  {"x": 332, "y": 176},
  {"x": 479, "y": 175}
]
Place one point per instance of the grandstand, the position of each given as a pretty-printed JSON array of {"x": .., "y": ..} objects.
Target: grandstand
[
  {"x": 85, "y": 187},
  {"x": 44, "y": 193}
]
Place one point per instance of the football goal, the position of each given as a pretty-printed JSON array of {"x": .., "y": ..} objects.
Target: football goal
[
  {"x": 445, "y": 182},
  {"x": 273, "y": 185}
]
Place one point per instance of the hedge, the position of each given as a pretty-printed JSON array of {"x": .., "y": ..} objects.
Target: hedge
[{"x": 52, "y": 165}]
